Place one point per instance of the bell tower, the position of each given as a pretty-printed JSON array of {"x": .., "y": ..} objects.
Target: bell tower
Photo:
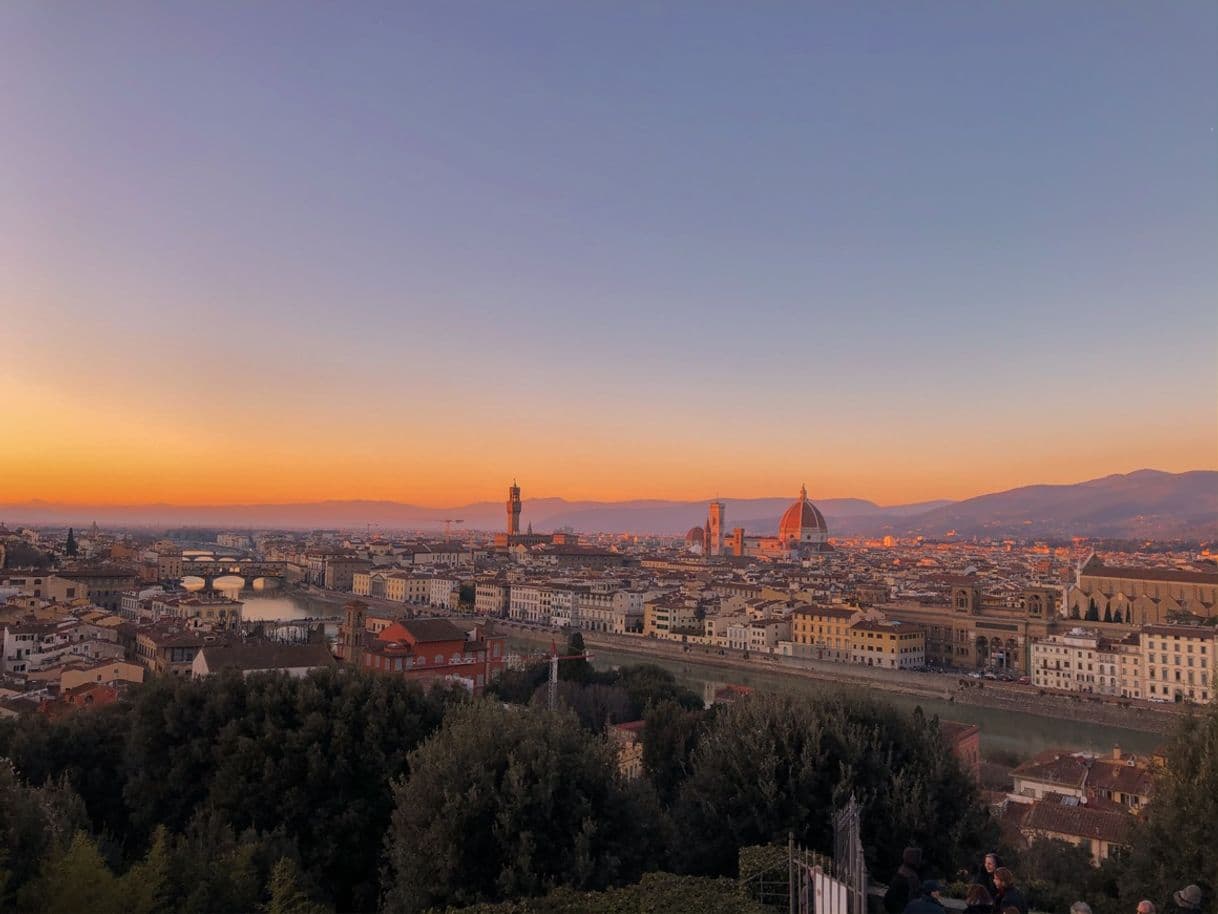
[
  {"x": 513, "y": 509},
  {"x": 351, "y": 635},
  {"x": 714, "y": 523}
]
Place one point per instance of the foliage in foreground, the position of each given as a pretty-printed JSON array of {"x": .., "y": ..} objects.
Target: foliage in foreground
[
  {"x": 279, "y": 795},
  {"x": 303, "y": 763},
  {"x": 778, "y": 763},
  {"x": 1175, "y": 843},
  {"x": 657, "y": 893},
  {"x": 501, "y": 804}
]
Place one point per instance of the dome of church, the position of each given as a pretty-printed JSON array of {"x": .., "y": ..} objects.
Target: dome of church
[
  {"x": 695, "y": 537},
  {"x": 803, "y": 522}
]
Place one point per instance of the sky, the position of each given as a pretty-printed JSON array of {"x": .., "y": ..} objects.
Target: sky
[{"x": 277, "y": 252}]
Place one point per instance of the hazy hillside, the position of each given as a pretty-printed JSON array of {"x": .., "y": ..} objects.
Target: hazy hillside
[
  {"x": 1146, "y": 503},
  {"x": 642, "y": 516}
]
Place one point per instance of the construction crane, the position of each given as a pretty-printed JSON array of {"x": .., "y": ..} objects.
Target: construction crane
[
  {"x": 553, "y": 658},
  {"x": 448, "y": 525}
]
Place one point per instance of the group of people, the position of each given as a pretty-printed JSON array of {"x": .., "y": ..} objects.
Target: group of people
[{"x": 992, "y": 890}]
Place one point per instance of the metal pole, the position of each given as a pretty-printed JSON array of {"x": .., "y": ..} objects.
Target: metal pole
[
  {"x": 791, "y": 872},
  {"x": 553, "y": 695}
]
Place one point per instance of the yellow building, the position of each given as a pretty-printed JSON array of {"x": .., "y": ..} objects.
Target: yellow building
[
  {"x": 109, "y": 672},
  {"x": 890, "y": 645},
  {"x": 823, "y": 632},
  {"x": 669, "y": 615}
]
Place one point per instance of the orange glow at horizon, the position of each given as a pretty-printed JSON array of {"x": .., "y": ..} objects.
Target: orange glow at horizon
[{"x": 111, "y": 447}]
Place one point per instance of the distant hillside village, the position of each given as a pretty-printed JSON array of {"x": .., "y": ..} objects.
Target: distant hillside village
[{"x": 87, "y": 615}]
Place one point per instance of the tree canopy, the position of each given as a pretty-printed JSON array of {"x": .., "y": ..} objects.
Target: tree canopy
[
  {"x": 1174, "y": 841},
  {"x": 506, "y": 803},
  {"x": 310, "y": 759},
  {"x": 776, "y": 763}
]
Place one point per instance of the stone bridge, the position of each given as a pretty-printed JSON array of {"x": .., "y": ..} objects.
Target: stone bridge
[
  {"x": 293, "y": 631},
  {"x": 248, "y": 570}
]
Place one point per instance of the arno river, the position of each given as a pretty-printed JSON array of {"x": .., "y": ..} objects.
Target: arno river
[
  {"x": 1001, "y": 730},
  {"x": 268, "y": 604}
]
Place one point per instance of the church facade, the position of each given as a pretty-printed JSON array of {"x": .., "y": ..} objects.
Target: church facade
[{"x": 1140, "y": 596}]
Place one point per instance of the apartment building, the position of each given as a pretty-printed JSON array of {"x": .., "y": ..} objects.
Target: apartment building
[
  {"x": 765, "y": 634},
  {"x": 891, "y": 645},
  {"x": 668, "y": 615},
  {"x": 823, "y": 632},
  {"x": 1078, "y": 661},
  {"x": 1178, "y": 662},
  {"x": 491, "y": 597}
]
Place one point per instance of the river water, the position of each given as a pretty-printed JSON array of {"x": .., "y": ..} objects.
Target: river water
[
  {"x": 265, "y": 602},
  {"x": 1002, "y": 731}
]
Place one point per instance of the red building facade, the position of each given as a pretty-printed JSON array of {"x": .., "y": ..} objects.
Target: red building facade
[{"x": 427, "y": 650}]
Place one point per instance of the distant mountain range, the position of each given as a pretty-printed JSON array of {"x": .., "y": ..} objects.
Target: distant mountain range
[{"x": 1146, "y": 503}]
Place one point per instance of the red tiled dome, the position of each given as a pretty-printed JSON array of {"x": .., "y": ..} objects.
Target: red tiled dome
[{"x": 803, "y": 522}]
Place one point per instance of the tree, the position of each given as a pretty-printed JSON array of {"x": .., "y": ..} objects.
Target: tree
[
  {"x": 501, "y": 804},
  {"x": 85, "y": 751},
  {"x": 669, "y": 739},
  {"x": 213, "y": 869},
  {"x": 518, "y": 686},
  {"x": 774, "y": 763},
  {"x": 147, "y": 886},
  {"x": 36, "y": 823},
  {"x": 266, "y": 761},
  {"x": 287, "y": 896},
  {"x": 1173, "y": 841},
  {"x": 70, "y": 878},
  {"x": 575, "y": 670},
  {"x": 655, "y": 893},
  {"x": 313, "y": 757},
  {"x": 648, "y": 684},
  {"x": 69, "y": 548},
  {"x": 594, "y": 704},
  {"x": 1052, "y": 874}
]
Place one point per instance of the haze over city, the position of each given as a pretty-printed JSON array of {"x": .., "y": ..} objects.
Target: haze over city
[{"x": 276, "y": 253}]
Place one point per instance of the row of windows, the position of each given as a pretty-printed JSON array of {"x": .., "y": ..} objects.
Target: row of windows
[
  {"x": 1176, "y": 660},
  {"x": 1175, "y": 643}
]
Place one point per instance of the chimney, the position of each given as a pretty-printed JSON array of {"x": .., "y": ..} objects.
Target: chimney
[{"x": 1116, "y": 753}]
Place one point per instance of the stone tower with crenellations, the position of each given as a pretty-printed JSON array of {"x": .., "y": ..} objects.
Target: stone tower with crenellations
[{"x": 513, "y": 509}]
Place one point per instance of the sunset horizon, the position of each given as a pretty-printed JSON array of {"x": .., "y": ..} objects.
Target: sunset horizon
[{"x": 495, "y": 495}]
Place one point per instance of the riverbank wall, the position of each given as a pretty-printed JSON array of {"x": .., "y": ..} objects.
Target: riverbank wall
[{"x": 943, "y": 687}]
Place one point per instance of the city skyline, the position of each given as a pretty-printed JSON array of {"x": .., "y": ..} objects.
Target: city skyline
[{"x": 897, "y": 252}]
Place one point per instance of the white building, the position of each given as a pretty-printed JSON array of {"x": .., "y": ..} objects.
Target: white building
[
  {"x": 1178, "y": 662},
  {"x": 1078, "y": 661}
]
